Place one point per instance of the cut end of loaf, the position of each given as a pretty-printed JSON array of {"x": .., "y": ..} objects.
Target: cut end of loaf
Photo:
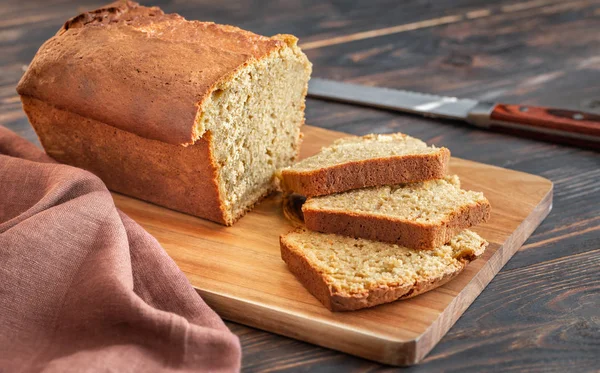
[
  {"x": 255, "y": 121},
  {"x": 348, "y": 274}
]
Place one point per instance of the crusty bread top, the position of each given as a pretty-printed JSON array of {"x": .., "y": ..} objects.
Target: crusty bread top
[
  {"x": 429, "y": 203},
  {"x": 140, "y": 70},
  {"x": 352, "y": 267},
  {"x": 373, "y": 146}
]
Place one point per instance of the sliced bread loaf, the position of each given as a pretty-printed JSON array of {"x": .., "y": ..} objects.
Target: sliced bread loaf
[
  {"x": 421, "y": 215},
  {"x": 371, "y": 160},
  {"x": 347, "y": 274},
  {"x": 190, "y": 115}
]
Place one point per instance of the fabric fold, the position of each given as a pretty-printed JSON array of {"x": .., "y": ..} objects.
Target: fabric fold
[{"x": 84, "y": 288}]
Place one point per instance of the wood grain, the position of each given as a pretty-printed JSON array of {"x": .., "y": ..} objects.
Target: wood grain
[
  {"x": 539, "y": 5},
  {"x": 239, "y": 271},
  {"x": 546, "y": 55}
]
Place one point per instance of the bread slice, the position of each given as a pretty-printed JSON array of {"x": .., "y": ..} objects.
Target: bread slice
[
  {"x": 371, "y": 160},
  {"x": 421, "y": 215},
  {"x": 347, "y": 274}
]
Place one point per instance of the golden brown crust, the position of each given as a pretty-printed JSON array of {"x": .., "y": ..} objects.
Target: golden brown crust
[
  {"x": 406, "y": 233},
  {"x": 421, "y": 287},
  {"x": 140, "y": 70},
  {"x": 366, "y": 173},
  {"x": 374, "y": 297},
  {"x": 177, "y": 177},
  {"x": 306, "y": 274},
  {"x": 316, "y": 284}
]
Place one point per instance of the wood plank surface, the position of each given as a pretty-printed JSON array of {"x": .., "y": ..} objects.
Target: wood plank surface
[
  {"x": 239, "y": 272},
  {"x": 540, "y": 313}
]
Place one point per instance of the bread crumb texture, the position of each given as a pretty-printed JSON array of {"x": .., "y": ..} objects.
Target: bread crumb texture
[
  {"x": 353, "y": 149},
  {"x": 255, "y": 120},
  {"x": 430, "y": 203},
  {"x": 353, "y": 267}
]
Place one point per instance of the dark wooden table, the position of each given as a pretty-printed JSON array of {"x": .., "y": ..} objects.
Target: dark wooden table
[{"x": 542, "y": 311}]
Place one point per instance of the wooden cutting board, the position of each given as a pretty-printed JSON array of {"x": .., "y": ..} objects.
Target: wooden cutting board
[{"x": 240, "y": 274}]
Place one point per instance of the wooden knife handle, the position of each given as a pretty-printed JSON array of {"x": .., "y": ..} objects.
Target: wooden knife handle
[{"x": 573, "y": 127}]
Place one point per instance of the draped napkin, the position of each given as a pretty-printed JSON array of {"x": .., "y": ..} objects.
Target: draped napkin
[{"x": 84, "y": 288}]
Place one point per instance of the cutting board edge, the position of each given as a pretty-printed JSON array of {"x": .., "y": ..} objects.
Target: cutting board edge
[
  {"x": 427, "y": 341},
  {"x": 383, "y": 349}
]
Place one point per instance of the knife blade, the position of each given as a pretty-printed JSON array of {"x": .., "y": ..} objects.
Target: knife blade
[{"x": 565, "y": 126}]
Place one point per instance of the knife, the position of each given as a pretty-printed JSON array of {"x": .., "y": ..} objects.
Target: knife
[{"x": 542, "y": 123}]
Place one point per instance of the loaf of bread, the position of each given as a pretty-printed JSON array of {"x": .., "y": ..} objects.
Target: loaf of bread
[
  {"x": 189, "y": 115},
  {"x": 371, "y": 160},
  {"x": 347, "y": 274},
  {"x": 421, "y": 215}
]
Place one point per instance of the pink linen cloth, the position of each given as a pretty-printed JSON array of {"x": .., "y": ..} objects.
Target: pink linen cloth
[{"x": 83, "y": 288}]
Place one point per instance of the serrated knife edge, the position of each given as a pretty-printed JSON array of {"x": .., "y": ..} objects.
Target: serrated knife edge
[
  {"x": 564, "y": 126},
  {"x": 392, "y": 99}
]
